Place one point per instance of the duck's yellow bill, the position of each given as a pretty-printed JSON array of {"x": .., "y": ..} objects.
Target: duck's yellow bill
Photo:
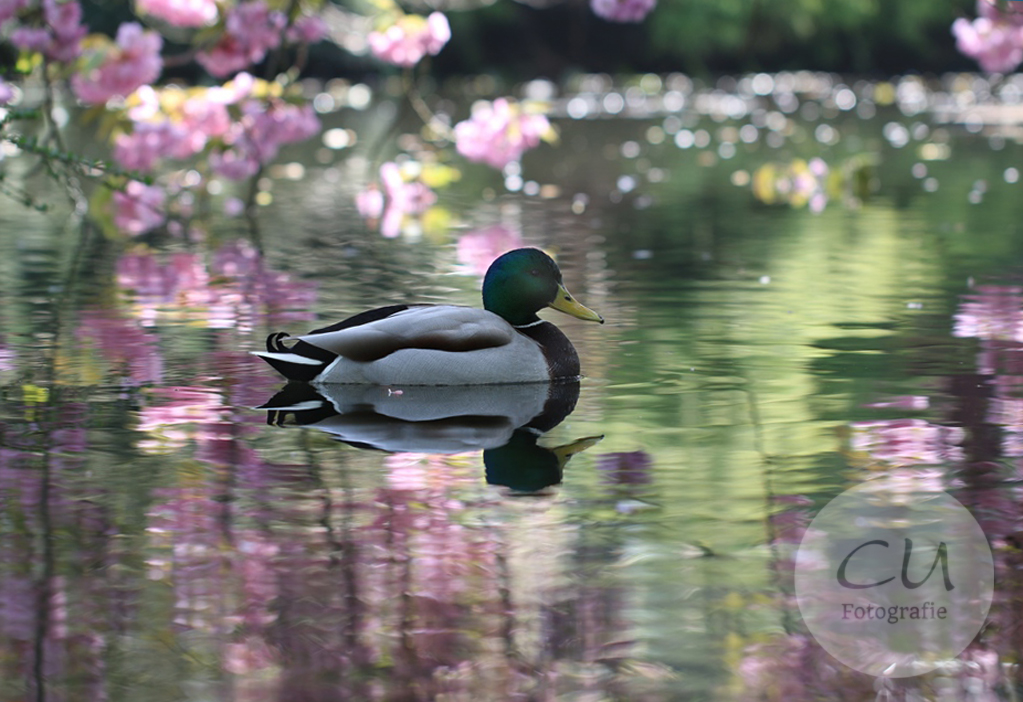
[{"x": 564, "y": 302}]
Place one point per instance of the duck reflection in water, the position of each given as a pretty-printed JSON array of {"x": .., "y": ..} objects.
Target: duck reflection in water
[{"x": 504, "y": 422}]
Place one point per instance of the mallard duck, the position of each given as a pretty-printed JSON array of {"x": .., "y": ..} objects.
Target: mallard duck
[{"x": 445, "y": 344}]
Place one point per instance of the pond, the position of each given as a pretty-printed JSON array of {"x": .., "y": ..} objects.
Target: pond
[{"x": 803, "y": 290}]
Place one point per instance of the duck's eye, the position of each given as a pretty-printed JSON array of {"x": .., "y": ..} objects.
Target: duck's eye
[{"x": 535, "y": 273}]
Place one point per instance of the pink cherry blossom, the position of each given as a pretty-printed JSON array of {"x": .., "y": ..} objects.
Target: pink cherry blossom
[
  {"x": 622, "y": 10},
  {"x": 61, "y": 38},
  {"x": 9, "y": 8},
  {"x": 499, "y": 133},
  {"x": 255, "y": 139},
  {"x": 180, "y": 134},
  {"x": 6, "y": 92},
  {"x": 997, "y": 46},
  {"x": 134, "y": 62},
  {"x": 150, "y": 142},
  {"x": 139, "y": 208},
  {"x": 204, "y": 117},
  {"x": 237, "y": 163},
  {"x": 410, "y": 38},
  {"x": 993, "y": 10},
  {"x": 145, "y": 145},
  {"x": 180, "y": 13},
  {"x": 308, "y": 29},
  {"x": 233, "y": 91},
  {"x": 994, "y": 39},
  {"x": 251, "y": 29}
]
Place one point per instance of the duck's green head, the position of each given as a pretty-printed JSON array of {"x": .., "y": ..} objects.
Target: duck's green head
[{"x": 524, "y": 281}]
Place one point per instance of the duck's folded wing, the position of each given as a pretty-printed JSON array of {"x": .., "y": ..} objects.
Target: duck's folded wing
[{"x": 440, "y": 327}]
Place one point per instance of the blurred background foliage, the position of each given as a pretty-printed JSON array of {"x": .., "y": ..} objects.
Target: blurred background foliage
[
  {"x": 522, "y": 40},
  {"x": 712, "y": 36}
]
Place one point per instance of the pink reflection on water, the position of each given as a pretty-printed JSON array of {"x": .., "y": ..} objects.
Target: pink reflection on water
[
  {"x": 793, "y": 667},
  {"x": 8, "y": 358},
  {"x": 994, "y": 315},
  {"x": 183, "y": 415},
  {"x": 406, "y": 195},
  {"x": 121, "y": 343},
  {"x": 234, "y": 291},
  {"x": 139, "y": 208},
  {"x": 907, "y": 442},
  {"x": 179, "y": 280},
  {"x": 906, "y": 402},
  {"x": 291, "y": 584},
  {"x": 479, "y": 248},
  {"x": 55, "y": 620},
  {"x": 250, "y": 291},
  {"x": 626, "y": 469},
  {"x": 992, "y": 312}
]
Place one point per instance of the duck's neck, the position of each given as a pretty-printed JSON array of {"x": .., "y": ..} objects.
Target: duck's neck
[
  {"x": 529, "y": 325},
  {"x": 562, "y": 359},
  {"x": 511, "y": 313}
]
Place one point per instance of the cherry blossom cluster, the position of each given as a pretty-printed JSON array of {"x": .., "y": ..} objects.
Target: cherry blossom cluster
[
  {"x": 56, "y": 32},
  {"x": 994, "y": 38},
  {"x": 180, "y": 13},
  {"x": 496, "y": 134},
  {"x": 240, "y": 127},
  {"x": 120, "y": 69},
  {"x": 234, "y": 129},
  {"x": 499, "y": 132},
  {"x": 410, "y": 38},
  {"x": 628, "y": 11},
  {"x": 251, "y": 29}
]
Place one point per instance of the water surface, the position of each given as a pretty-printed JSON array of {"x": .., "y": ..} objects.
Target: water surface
[{"x": 160, "y": 541}]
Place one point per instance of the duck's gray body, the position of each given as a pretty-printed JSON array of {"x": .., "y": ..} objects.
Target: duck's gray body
[{"x": 427, "y": 345}]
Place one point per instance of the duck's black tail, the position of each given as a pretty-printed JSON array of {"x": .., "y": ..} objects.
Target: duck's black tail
[
  {"x": 302, "y": 361},
  {"x": 299, "y": 400}
]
